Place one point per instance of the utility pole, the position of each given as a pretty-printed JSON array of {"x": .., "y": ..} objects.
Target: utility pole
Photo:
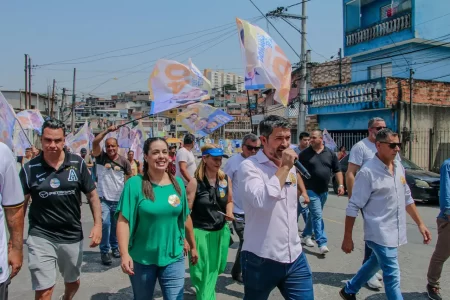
[
  {"x": 72, "y": 123},
  {"x": 280, "y": 12},
  {"x": 411, "y": 73},
  {"x": 249, "y": 111},
  {"x": 63, "y": 104},
  {"x": 340, "y": 65},
  {"x": 301, "y": 126},
  {"x": 53, "y": 98},
  {"x": 26, "y": 81},
  {"x": 29, "y": 81}
]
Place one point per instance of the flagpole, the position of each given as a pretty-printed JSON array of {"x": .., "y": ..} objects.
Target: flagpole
[{"x": 24, "y": 133}]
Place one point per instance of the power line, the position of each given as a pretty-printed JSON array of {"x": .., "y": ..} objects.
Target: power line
[
  {"x": 275, "y": 28},
  {"x": 289, "y": 6}
]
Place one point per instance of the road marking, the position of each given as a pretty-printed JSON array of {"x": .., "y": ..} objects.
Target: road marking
[{"x": 333, "y": 221}]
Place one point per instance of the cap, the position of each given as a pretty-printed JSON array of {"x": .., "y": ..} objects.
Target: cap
[
  {"x": 83, "y": 150},
  {"x": 216, "y": 152}
]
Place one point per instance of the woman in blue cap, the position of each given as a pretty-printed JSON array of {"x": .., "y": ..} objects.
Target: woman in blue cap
[{"x": 211, "y": 205}]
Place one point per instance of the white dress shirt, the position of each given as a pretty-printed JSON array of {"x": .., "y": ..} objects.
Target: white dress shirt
[
  {"x": 270, "y": 211},
  {"x": 231, "y": 168},
  {"x": 383, "y": 198}
]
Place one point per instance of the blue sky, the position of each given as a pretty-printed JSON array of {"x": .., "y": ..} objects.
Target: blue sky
[{"x": 52, "y": 31}]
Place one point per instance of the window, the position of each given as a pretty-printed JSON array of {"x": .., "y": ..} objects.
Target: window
[
  {"x": 382, "y": 70},
  {"x": 384, "y": 11},
  {"x": 352, "y": 15}
]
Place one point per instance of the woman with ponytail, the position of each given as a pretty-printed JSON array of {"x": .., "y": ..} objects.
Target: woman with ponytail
[
  {"x": 153, "y": 222},
  {"x": 210, "y": 201}
]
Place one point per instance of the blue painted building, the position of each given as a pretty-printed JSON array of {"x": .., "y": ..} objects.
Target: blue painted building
[{"x": 384, "y": 38}]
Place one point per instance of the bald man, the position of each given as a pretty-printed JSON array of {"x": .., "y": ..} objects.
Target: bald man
[{"x": 113, "y": 170}]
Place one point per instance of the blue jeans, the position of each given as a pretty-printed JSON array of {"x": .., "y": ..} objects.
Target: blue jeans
[
  {"x": 387, "y": 259},
  {"x": 367, "y": 252},
  {"x": 262, "y": 275},
  {"x": 109, "y": 224},
  {"x": 315, "y": 221},
  {"x": 170, "y": 278},
  {"x": 304, "y": 211}
]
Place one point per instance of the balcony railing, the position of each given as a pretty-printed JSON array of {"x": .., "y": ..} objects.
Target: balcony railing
[
  {"x": 381, "y": 29},
  {"x": 358, "y": 92}
]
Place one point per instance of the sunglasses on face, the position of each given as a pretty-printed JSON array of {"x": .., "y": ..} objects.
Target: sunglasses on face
[
  {"x": 251, "y": 148},
  {"x": 379, "y": 128},
  {"x": 392, "y": 145}
]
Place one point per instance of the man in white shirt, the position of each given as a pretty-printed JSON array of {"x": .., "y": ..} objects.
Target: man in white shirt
[
  {"x": 11, "y": 209},
  {"x": 269, "y": 186},
  {"x": 361, "y": 152},
  {"x": 185, "y": 160},
  {"x": 381, "y": 193},
  {"x": 250, "y": 146}
]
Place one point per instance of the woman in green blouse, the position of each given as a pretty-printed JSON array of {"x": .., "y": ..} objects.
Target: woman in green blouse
[{"x": 153, "y": 217}]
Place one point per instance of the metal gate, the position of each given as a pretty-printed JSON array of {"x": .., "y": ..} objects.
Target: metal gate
[{"x": 348, "y": 138}]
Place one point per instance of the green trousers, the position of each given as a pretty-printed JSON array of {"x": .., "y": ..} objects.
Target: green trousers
[{"x": 212, "y": 247}]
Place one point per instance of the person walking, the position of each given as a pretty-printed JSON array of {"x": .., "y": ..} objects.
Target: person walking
[
  {"x": 55, "y": 180},
  {"x": 135, "y": 165},
  {"x": 113, "y": 170},
  {"x": 12, "y": 211},
  {"x": 211, "y": 202},
  {"x": 153, "y": 221},
  {"x": 342, "y": 153},
  {"x": 321, "y": 162},
  {"x": 360, "y": 153},
  {"x": 269, "y": 185},
  {"x": 442, "y": 250},
  {"x": 172, "y": 160},
  {"x": 250, "y": 146},
  {"x": 303, "y": 210},
  {"x": 185, "y": 160},
  {"x": 381, "y": 192}
]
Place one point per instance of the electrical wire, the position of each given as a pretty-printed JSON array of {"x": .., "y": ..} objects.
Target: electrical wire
[
  {"x": 292, "y": 5},
  {"x": 275, "y": 28}
]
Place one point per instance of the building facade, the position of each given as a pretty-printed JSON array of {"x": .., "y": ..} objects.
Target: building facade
[{"x": 219, "y": 79}]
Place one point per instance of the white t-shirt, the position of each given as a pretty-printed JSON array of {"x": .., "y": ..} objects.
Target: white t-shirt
[
  {"x": 364, "y": 150},
  {"x": 231, "y": 168},
  {"x": 188, "y": 157},
  {"x": 11, "y": 194}
]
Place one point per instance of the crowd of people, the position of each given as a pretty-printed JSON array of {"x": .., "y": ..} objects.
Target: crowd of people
[{"x": 154, "y": 214}]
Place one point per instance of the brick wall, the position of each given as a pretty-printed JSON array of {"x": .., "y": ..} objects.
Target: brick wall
[
  {"x": 326, "y": 74},
  {"x": 424, "y": 92}
]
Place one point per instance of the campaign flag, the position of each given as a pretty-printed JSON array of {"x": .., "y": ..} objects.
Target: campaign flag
[
  {"x": 266, "y": 65},
  {"x": 137, "y": 148},
  {"x": 79, "y": 140},
  {"x": 202, "y": 119},
  {"x": 31, "y": 119},
  {"x": 123, "y": 137},
  {"x": 20, "y": 141},
  {"x": 328, "y": 140},
  {"x": 7, "y": 120},
  {"x": 172, "y": 84}
]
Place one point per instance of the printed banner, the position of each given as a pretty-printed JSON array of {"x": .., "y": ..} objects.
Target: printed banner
[
  {"x": 328, "y": 140},
  {"x": 31, "y": 119},
  {"x": 172, "y": 84},
  {"x": 137, "y": 147},
  {"x": 79, "y": 140},
  {"x": 21, "y": 142},
  {"x": 123, "y": 137},
  {"x": 7, "y": 120},
  {"x": 202, "y": 119},
  {"x": 266, "y": 65}
]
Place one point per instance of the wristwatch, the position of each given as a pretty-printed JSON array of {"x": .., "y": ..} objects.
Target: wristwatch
[{"x": 341, "y": 185}]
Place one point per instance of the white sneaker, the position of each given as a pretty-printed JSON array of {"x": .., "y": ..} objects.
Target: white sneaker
[
  {"x": 307, "y": 241},
  {"x": 374, "y": 283},
  {"x": 324, "y": 250},
  {"x": 379, "y": 276}
]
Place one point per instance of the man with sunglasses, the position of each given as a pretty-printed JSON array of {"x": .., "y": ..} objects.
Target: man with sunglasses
[
  {"x": 250, "y": 146},
  {"x": 362, "y": 152},
  {"x": 382, "y": 194}
]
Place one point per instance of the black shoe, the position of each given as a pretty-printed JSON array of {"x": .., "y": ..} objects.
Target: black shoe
[
  {"x": 433, "y": 293},
  {"x": 116, "y": 253},
  {"x": 346, "y": 296},
  {"x": 106, "y": 259},
  {"x": 238, "y": 278}
]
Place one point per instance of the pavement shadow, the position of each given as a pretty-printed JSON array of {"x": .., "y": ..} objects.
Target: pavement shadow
[
  {"x": 93, "y": 263},
  {"x": 318, "y": 255},
  {"x": 406, "y": 296},
  {"x": 331, "y": 279}
]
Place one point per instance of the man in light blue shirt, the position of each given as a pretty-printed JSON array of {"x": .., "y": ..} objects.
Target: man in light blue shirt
[
  {"x": 442, "y": 251},
  {"x": 381, "y": 192}
]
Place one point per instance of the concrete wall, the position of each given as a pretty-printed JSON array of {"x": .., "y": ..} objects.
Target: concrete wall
[{"x": 428, "y": 18}]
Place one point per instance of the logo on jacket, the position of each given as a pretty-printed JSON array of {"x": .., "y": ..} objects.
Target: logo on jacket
[{"x": 72, "y": 176}]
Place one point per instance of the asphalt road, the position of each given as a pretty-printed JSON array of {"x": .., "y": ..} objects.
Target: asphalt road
[{"x": 99, "y": 282}]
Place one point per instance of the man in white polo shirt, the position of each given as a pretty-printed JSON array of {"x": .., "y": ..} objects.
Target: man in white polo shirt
[
  {"x": 185, "y": 160},
  {"x": 272, "y": 252},
  {"x": 12, "y": 209},
  {"x": 250, "y": 146}
]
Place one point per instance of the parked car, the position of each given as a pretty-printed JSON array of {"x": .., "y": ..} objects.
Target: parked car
[{"x": 424, "y": 185}]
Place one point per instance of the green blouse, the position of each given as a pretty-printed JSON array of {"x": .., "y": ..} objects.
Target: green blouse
[{"x": 156, "y": 227}]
